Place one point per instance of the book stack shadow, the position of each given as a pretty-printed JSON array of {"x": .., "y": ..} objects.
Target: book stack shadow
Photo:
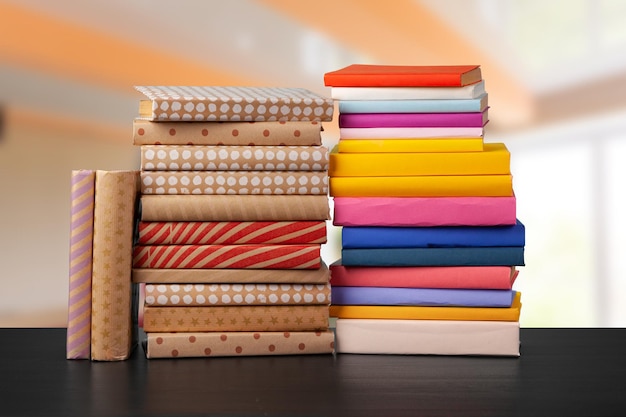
[
  {"x": 234, "y": 204},
  {"x": 430, "y": 239}
]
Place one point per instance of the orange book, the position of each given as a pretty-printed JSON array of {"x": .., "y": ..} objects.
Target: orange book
[{"x": 358, "y": 75}]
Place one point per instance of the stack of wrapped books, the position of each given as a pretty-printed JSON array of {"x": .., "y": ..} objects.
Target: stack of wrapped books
[
  {"x": 234, "y": 204},
  {"x": 430, "y": 239}
]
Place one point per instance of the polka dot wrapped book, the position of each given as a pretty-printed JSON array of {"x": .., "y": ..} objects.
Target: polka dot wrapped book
[
  {"x": 198, "y": 344},
  {"x": 226, "y": 103}
]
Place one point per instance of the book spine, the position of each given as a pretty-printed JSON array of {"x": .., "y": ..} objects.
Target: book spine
[
  {"x": 431, "y": 237},
  {"x": 410, "y": 145},
  {"x": 231, "y": 233},
  {"x": 81, "y": 253},
  {"x": 413, "y": 106},
  {"x": 193, "y": 345},
  {"x": 428, "y": 337},
  {"x": 234, "y": 207},
  {"x": 235, "y": 319},
  {"x": 424, "y": 211},
  {"x": 111, "y": 326},
  {"x": 234, "y": 276},
  {"x": 409, "y": 132},
  {"x": 471, "y": 91},
  {"x": 233, "y": 158},
  {"x": 483, "y": 256},
  {"x": 227, "y": 133},
  {"x": 470, "y": 277},
  {"x": 236, "y": 294},
  {"x": 441, "y": 297},
  {"x": 228, "y": 256},
  {"x": 494, "y": 160},
  {"x": 377, "y": 120},
  {"x": 423, "y": 186},
  {"x": 235, "y": 182},
  {"x": 429, "y": 313}
]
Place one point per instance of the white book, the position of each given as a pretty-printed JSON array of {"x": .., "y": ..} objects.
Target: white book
[
  {"x": 409, "y": 132},
  {"x": 408, "y": 93},
  {"x": 427, "y": 337}
]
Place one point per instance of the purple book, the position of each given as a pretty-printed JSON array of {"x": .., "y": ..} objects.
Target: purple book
[
  {"x": 421, "y": 297},
  {"x": 365, "y": 120}
]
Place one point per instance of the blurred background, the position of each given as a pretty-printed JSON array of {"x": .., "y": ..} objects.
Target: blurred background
[{"x": 555, "y": 72}]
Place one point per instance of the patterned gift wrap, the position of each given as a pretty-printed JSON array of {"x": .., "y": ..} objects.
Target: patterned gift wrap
[
  {"x": 235, "y": 182},
  {"x": 231, "y": 233},
  {"x": 235, "y": 319},
  {"x": 188, "y": 345},
  {"x": 234, "y": 158},
  {"x": 228, "y": 256},
  {"x": 227, "y": 133},
  {"x": 236, "y": 294},
  {"x": 239, "y": 104}
]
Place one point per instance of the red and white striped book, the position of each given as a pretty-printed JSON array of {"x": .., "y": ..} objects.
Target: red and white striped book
[{"x": 228, "y": 256}]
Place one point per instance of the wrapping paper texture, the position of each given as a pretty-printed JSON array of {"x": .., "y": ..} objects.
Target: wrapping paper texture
[
  {"x": 378, "y": 120},
  {"x": 227, "y": 133},
  {"x": 235, "y": 182},
  {"x": 234, "y": 207},
  {"x": 428, "y": 337},
  {"x": 430, "y": 313},
  {"x": 469, "y": 277},
  {"x": 388, "y": 296},
  {"x": 423, "y": 186},
  {"x": 227, "y": 256},
  {"x": 435, "y": 236},
  {"x": 357, "y": 75},
  {"x": 471, "y": 91},
  {"x": 493, "y": 160},
  {"x": 414, "y": 106},
  {"x": 236, "y": 294},
  {"x": 410, "y": 145},
  {"x": 111, "y": 324},
  {"x": 424, "y": 211},
  {"x": 235, "y": 319},
  {"x": 237, "y": 276},
  {"x": 190, "y": 345},
  {"x": 233, "y": 158},
  {"x": 409, "y": 132},
  {"x": 226, "y": 103},
  {"x": 230, "y": 233},
  {"x": 83, "y": 184},
  {"x": 466, "y": 256}
]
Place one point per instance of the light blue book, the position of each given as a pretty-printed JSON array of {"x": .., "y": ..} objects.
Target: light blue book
[{"x": 414, "y": 106}]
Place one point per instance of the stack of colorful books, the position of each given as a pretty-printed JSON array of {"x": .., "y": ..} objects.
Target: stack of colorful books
[
  {"x": 430, "y": 239},
  {"x": 234, "y": 205}
]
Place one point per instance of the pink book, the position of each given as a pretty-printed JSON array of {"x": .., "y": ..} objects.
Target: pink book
[
  {"x": 368, "y": 120},
  {"x": 457, "y": 277},
  {"x": 424, "y": 211}
]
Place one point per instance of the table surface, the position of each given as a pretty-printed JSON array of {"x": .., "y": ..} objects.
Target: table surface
[{"x": 561, "y": 372}]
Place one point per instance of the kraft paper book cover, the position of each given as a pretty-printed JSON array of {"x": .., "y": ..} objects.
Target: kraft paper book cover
[{"x": 233, "y": 103}]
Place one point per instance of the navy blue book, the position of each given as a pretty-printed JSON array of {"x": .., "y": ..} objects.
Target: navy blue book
[
  {"x": 474, "y": 256},
  {"x": 432, "y": 237}
]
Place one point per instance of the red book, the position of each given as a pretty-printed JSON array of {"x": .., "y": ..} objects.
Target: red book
[{"x": 358, "y": 75}]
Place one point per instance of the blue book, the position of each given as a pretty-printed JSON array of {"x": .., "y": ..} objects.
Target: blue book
[
  {"x": 468, "y": 256},
  {"x": 414, "y": 106},
  {"x": 434, "y": 236},
  {"x": 434, "y": 297}
]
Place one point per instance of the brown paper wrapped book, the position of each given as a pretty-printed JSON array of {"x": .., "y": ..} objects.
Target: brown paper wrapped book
[
  {"x": 188, "y": 345},
  {"x": 111, "y": 325},
  {"x": 234, "y": 207}
]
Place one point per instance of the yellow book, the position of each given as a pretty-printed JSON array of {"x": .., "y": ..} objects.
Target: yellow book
[
  {"x": 493, "y": 160},
  {"x": 411, "y": 145},
  {"x": 430, "y": 313},
  {"x": 423, "y": 186}
]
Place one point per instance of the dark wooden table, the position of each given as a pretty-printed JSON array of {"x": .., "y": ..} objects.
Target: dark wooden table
[{"x": 562, "y": 372}]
